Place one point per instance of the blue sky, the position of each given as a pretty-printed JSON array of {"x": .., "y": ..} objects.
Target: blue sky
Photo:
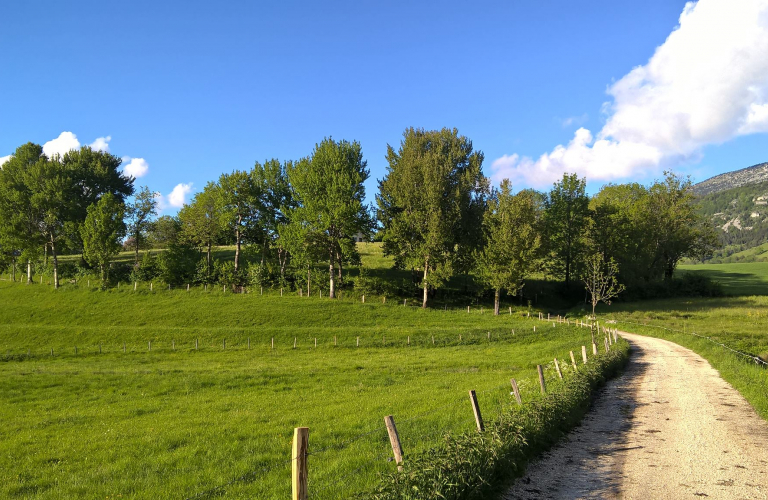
[{"x": 194, "y": 89}]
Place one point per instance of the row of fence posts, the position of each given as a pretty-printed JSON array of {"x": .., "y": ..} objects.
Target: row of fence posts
[{"x": 300, "y": 449}]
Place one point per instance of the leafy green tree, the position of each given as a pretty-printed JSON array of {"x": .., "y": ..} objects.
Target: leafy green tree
[
  {"x": 427, "y": 198},
  {"x": 240, "y": 201},
  {"x": 679, "y": 231},
  {"x": 94, "y": 173},
  {"x": 164, "y": 232},
  {"x": 271, "y": 178},
  {"x": 329, "y": 193},
  {"x": 511, "y": 241},
  {"x": 37, "y": 205},
  {"x": 141, "y": 212},
  {"x": 202, "y": 221},
  {"x": 565, "y": 219},
  {"x": 102, "y": 233}
]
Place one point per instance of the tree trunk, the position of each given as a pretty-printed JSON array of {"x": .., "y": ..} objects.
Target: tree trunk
[
  {"x": 136, "y": 246},
  {"x": 29, "y": 272},
  {"x": 426, "y": 288},
  {"x": 496, "y": 302},
  {"x": 237, "y": 244},
  {"x": 264, "y": 251},
  {"x": 55, "y": 266},
  {"x": 208, "y": 263},
  {"x": 45, "y": 252},
  {"x": 332, "y": 286}
]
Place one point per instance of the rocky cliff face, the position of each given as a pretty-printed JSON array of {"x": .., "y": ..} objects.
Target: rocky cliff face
[{"x": 750, "y": 175}]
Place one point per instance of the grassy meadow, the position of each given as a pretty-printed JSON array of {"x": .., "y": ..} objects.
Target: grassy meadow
[
  {"x": 739, "y": 321},
  {"x": 173, "y": 421},
  {"x": 743, "y": 278}
]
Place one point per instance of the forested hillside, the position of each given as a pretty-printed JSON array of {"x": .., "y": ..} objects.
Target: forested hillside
[{"x": 740, "y": 216}]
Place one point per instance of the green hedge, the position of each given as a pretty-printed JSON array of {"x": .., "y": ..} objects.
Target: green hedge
[{"x": 474, "y": 464}]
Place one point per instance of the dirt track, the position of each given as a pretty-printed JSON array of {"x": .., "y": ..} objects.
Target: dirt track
[{"x": 668, "y": 428}]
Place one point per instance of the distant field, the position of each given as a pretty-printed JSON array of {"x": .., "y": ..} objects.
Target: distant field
[
  {"x": 737, "y": 279},
  {"x": 168, "y": 423}
]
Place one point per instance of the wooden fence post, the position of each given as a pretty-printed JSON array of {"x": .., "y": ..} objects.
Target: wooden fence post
[
  {"x": 516, "y": 392},
  {"x": 584, "y": 354},
  {"x": 196, "y": 343},
  {"x": 135, "y": 285},
  {"x": 173, "y": 345},
  {"x": 273, "y": 342},
  {"x": 294, "y": 342},
  {"x": 299, "y": 469},
  {"x": 149, "y": 345},
  {"x": 249, "y": 343},
  {"x": 476, "y": 410},
  {"x": 594, "y": 349},
  {"x": 541, "y": 379},
  {"x": 394, "y": 440},
  {"x": 224, "y": 344},
  {"x": 557, "y": 367},
  {"x": 573, "y": 362}
]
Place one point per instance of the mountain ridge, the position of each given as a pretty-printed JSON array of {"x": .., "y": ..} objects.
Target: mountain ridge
[{"x": 750, "y": 175}]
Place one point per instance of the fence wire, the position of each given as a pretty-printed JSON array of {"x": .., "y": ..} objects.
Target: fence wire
[{"x": 758, "y": 361}]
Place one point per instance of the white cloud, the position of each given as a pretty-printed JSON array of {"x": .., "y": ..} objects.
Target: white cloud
[
  {"x": 101, "y": 144},
  {"x": 135, "y": 167},
  {"x": 65, "y": 142},
  {"x": 4, "y": 159},
  {"x": 175, "y": 199},
  {"x": 178, "y": 196},
  {"x": 706, "y": 84}
]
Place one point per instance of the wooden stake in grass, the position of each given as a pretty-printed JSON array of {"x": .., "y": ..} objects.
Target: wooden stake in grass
[
  {"x": 573, "y": 362},
  {"x": 394, "y": 440},
  {"x": 299, "y": 459},
  {"x": 149, "y": 345},
  {"x": 510, "y": 311},
  {"x": 196, "y": 343},
  {"x": 409, "y": 340},
  {"x": 557, "y": 367},
  {"x": 51, "y": 351},
  {"x": 249, "y": 343},
  {"x": 467, "y": 308},
  {"x": 405, "y": 302},
  {"x": 273, "y": 342},
  {"x": 150, "y": 286},
  {"x": 607, "y": 348},
  {"x": 294, "y": 342},
  {"x": 476, "y": 411},
  {"x": 516, "y": 392},
  {"x": 315, "y": 342},
  {"x": 594, "y": 349},
  {"x": 358, "y": 342},
  {"x": 363, "y": 298},
  {"x": 187, "y": 286},
  {"x": 584, "y": 354},
  {"x": 334, "y": 340},
  {"x": 541, "y": 379},
  {"x": 433, "y": 340},
  {"x": 135, "y": 285}
]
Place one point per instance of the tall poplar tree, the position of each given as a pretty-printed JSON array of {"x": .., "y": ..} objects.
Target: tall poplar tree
[
  {"x": 329, "y": 193},
  {"x": 433, "y": 183},
  {"x": 202, "y": 221},
  {"x": 567, "y": 210},
  {"x": 102, "y": 233},
  {"x": 511, "y": 241},
  {"x": 141, "y": 212}
]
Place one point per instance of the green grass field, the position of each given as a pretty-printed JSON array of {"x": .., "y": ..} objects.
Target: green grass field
[
  {"x": 737, "y": 279},
  {"x": 170, "y": 423},
  {"x": 738, "y": 322}
]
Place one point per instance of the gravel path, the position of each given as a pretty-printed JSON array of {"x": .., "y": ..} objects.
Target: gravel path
[{"x": 668, "y": 428}]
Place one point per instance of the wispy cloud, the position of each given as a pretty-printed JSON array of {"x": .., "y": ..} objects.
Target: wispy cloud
[
  {"x": 4, "y": 159},
  {"x": 706, "y": 84},
  {"x": 101, "y": 144},
  {"x": 574, "y": 120}
]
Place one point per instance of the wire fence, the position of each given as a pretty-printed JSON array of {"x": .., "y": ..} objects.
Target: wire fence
[{"x": 756, "y": 359}]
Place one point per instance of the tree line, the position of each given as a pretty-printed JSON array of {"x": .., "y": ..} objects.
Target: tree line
[{"x": 295, "y": 222}]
